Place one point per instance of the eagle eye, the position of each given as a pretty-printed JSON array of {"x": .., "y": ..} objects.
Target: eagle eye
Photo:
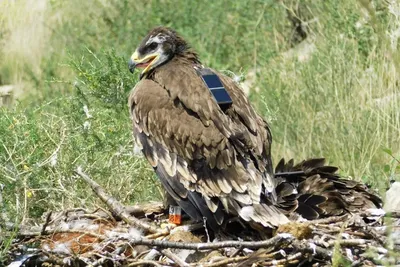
[{"x": 152, "y": 46}]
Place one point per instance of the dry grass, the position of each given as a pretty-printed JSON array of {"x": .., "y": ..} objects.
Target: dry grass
[
  {"x": 340, "y": 101},
  {"x": 25, "y": 39},
  {"x": 348, "y": 114}
]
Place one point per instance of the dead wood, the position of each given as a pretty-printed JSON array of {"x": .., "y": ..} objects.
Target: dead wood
[
  {"x": 115, "y": 206},
  {"x": 78, "y": 237},
  {"x": 274, "y": 241}
]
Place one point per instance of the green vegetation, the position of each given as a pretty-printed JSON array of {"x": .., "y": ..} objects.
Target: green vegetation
[{"x": 334, "y": 95}]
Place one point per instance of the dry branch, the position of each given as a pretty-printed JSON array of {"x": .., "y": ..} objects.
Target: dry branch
[
  {"x": 98, "y": 239},
  {"x": 310, "y": 248},
  {"x": 145, "y": 262},
  {"x": 115, "y": 206},
  {"x": 283, "y": 249},
  {"x": 167, "y": 253},
  {"x": 225, "y": 262},
  {"x": 144, "y": 209},
  {"x": 272, "y": 242},
  {"x": 61, "y": 231}
]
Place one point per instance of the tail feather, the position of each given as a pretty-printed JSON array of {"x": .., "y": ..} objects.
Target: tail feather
[
  {"x": 319, "y": 191},
  {"x": 267, "y": 215}
]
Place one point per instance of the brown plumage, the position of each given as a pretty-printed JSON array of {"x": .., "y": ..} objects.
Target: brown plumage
[
  {"x": 319, "y": 191},
  {"x": 212, "y": 162},
  {"x": 216, "y": 163}
]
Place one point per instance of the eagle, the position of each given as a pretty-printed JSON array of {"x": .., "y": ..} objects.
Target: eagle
[{"x": 212, "y": 151}]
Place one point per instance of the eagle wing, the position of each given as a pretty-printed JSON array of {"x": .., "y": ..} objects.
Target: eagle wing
[
  {"x": 197, "y": 151},
  {"x": 257, "y": 126},
  {"x": 248, "y": 132}
]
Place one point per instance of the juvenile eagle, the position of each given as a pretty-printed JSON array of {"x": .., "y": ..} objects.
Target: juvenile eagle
[{"x": 213, "y": 161}]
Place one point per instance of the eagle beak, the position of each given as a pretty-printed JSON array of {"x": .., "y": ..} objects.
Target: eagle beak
[
  {"x": 131, "y": 65},
  {"x": 146, "y": 62}
]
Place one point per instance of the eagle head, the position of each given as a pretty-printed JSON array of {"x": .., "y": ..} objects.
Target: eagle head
[{"x": 158, "y": 47}]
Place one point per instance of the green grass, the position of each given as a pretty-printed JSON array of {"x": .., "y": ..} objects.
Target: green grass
[
  {"x": 340, "y": 101},
  {"x": 42, "y": 146}
]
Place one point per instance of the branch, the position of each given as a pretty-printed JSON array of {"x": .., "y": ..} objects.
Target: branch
[
  {"x": 329, "y": 220},
  {"x": 272, "y": 242},
  {"x": 174, "y": 258},
  {"x": 348, "y": 242},
  {"x": 285, "y": 262},
  {"x": 60, "y": 231},
  {"x": 46, "y": 223},
  {"x": 139, "y": 262},
  {"x": 144, "y": 209},
  {"x": 312, "y": 249},
  {"x": 224, "y": 262},
  {"x": 117, "y": 208}
]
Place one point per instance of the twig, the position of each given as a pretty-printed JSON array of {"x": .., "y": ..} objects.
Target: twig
[
  {"x": 53, "y": 259},
  {"x": 140, "y": 262},
  {"x": 141, "y": 254},
  {"x": 188, "y": 227},
  {"x": 174, "y": 258},
  {"x": 276, "y": 240},
  {"x": 329, "y": 220},
  {"x": 144, "y": 209},
  {"x": 359, "y": 234},
  {"x": 348, "y": 242},
  {"x": 223, "y": 262},
  {"x": 101, "y": 261},
  {"x": 284, "y": 262},
  {"x": 152, "y": 254},
  {"x": 314, "y": 250},
  {"x": 61, "y": 215},
  {"x": 54, "y": 154},
  {"x": 262, "y": 256},
  {"x": 116, "y": 207},
  {"x": 46, "y": 223},
  {"x": 237, "y": 251},
  {"x": 323, "y": 234},
  {"x": 185, "y": 228},
  {"x": 156, "y": 235},
  {"x": 329, "y": 228},
  {"x": 368, "y": 229},
  {"x": 59, "y": 231}
]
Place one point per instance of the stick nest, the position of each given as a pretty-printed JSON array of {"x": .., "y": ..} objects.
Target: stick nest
[{"x": 141, "y": 236}]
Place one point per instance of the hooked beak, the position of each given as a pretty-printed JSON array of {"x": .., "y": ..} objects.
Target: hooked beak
[
  {"x": 136, "y": 62},
  {"x": 131, "y": 65}
]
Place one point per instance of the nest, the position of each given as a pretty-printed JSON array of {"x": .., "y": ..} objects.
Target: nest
[{"x": 141, "y": 236}]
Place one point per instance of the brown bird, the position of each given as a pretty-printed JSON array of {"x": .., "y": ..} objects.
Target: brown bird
[{"x": 212, "y": 151}]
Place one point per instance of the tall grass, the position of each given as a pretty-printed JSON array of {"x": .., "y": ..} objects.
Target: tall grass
[
  {"x": 24, "y": 39},
  {"x": 343, "y": 102},
  {"x": 338, "y": 97}
]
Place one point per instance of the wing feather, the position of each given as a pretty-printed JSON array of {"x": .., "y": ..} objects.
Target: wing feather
[{"x": 196, "y": 149}]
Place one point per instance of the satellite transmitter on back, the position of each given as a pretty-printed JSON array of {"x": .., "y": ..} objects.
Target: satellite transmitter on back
[{"x": 216, "y": 87}]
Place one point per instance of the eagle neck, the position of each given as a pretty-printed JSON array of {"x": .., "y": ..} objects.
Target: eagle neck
[{"x": 188, "y": 56}]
